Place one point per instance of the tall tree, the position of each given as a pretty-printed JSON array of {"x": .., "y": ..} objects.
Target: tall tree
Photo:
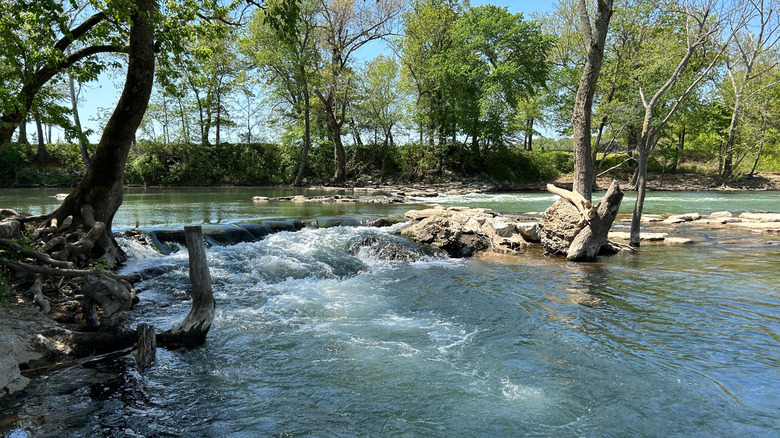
[
  {"x": 290, "y": 59},
  {"x": 699, "y": 25},
  {"x": 595, "y": 35},
  {"x": 751, "y": 66},
  {"x": 348, "y": 25},
  {"x": 95, "y": 200},
  {"x": 381, "y": 105},
  {"x": 498, "y": 59}
]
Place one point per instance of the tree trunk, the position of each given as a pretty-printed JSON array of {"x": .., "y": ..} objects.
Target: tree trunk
[
  {"x": 334, "y": 125},
  {"x": 41, "y": 156},
  {"x": 728, "y": 160},
  {"x": 192, "y": 331},
  {"x": 77, "y": 121},
  {"x": 388, "y": 137},
  {"x": 641, "y": 188},
  {"x": 95, "y": 200},
  {"x": 306, "y": 137},
  {"x": 23, "y": 132},
  {"x": 584, "y": 167},
  {"x": 760, "y": 145},
  {"x": 574, "y": 227}
]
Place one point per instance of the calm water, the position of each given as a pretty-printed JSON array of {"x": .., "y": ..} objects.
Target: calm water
[{"x": 317, "y": 335}]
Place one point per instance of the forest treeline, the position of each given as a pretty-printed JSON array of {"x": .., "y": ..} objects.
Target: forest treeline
[{"x": 415, "y": 90}]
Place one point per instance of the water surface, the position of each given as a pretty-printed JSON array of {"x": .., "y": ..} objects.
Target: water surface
[{"x": 319, "y": 335}]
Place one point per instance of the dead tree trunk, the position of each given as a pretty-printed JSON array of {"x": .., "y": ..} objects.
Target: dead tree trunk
[
  {"x": 576, "y": 228},
  {"x": 192, "y": 331}
]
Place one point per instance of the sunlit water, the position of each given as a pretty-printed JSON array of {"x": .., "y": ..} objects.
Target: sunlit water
[{"x": 318, "y": 335}]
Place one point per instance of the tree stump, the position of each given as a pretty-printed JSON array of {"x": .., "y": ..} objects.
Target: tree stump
[
  {"x": 146, "y": 347},
  {"x": 192, "y": 331},
  {"x": 574, "y": 227}
]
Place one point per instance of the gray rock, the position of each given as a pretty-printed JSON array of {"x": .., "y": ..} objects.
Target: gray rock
[
  {"x": 462, "y": 231},
  {"x": 10, "y": 229},
  {"x": 761, "y": 217},
  {"x": 558, "y": 227}
]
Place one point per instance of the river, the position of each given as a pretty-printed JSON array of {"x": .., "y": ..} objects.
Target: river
[{"x": 318, "y": 335}]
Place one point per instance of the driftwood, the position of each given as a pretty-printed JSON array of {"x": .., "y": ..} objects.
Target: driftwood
[
  {"x": 576, "y": 228},
  {"x": 192, "y": 331}
]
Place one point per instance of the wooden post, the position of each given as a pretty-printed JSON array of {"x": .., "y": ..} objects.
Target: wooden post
[
  {"x": 145, "y": 350},
  {"x": 192, "y": 331}
]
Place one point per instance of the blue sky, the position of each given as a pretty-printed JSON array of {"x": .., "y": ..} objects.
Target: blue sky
[{"x": 105, "y": 92}]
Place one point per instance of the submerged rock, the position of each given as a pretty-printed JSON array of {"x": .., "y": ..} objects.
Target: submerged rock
[{"x": 463, "y": 231}]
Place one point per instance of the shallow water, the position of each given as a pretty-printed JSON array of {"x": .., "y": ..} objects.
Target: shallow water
[{"x": 317, "y": 335}]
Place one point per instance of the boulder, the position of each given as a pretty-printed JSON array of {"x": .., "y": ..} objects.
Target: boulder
[
  {"x": 529, "y": 230},
  {"x": 758, "y": 227},
  {"x": 10, "y": 229},
  {"x": 559, "y": 225},
  {"x": 680, "y": 218},
  {"x": 677, "y": 241},
  {"x": 462, "y": 231},
  {"x": 645, "y": 237},
  {"x": 417, "y": 215}
]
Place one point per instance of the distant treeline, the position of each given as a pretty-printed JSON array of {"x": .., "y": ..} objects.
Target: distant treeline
[{"x": 152, "y": 163}]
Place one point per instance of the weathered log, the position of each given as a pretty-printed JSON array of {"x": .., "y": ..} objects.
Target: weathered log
[
  {"x": 573, "y": 228},
  {"x": 588, "y": 242},
  {"x": 193, "y": 329}
]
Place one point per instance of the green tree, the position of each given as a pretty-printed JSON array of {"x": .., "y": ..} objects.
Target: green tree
[
  {"x": 291, "y": 61},
  {"x": 40, "y": 41},
  {"x": 752, "y": 71},
  {"x": 427, "y": 40},
  {"x": 497, "y": 61},
  {"x": 382, "y": 102},
  {"x": 347, "y": 25},
  {"x": 672, "y": 73}
]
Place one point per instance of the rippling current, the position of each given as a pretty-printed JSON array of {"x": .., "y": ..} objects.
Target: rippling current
[{"x": 321, "y": 333}]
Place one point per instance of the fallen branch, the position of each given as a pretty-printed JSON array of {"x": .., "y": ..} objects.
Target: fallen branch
[{"x": 583, "y": 205}]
